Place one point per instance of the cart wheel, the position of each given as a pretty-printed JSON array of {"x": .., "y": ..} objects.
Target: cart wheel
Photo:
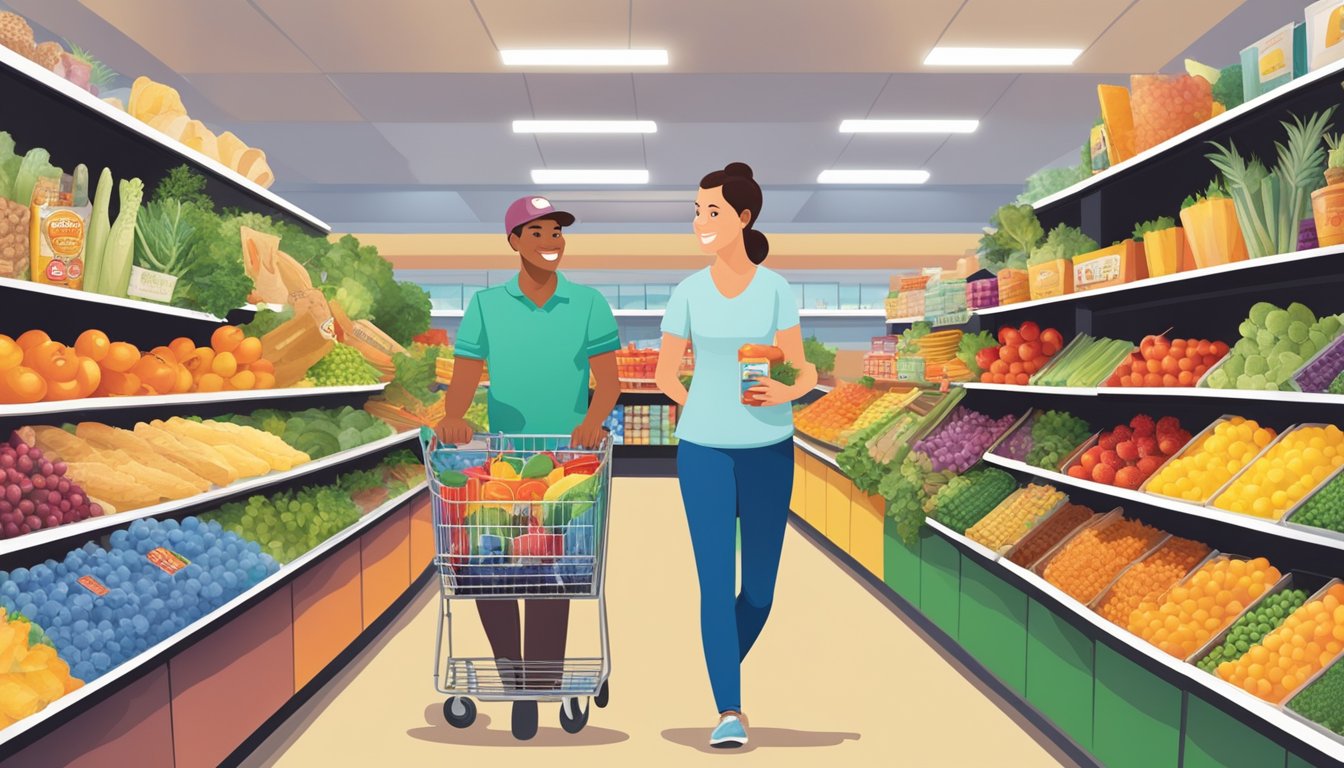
[
  {"x": 603, "y": 695},
  {"x": 459, "y": 711},
  {"x": 580, "y": 718}
]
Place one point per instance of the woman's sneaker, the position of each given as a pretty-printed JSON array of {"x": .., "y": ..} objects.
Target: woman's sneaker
[{"x": 730, "y": 733}]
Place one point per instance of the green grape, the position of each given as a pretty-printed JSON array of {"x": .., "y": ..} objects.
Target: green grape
[
  {"x": 1252, "y": 627},
  {"x": 343, "y": 366},
  {"x": 1054, "y": 434},
  {"x": 1325, "y": 508},
  {"x": 1323, "y": 701}
]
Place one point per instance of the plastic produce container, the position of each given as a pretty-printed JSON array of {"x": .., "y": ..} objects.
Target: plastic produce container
[
  {"x": 1167, "y": 105},
  {"x": 1316, "y": 374},
  {"x": 1098, "y": 604},
  {"x": 982, "y": 294},
  {"x": 1053, "y": 278},
  {"x": 1268, "y": 449},
  {"x": 1293, "y": 512}
]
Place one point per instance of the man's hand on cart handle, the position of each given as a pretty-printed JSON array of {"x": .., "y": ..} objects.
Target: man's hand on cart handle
[
  {"x": 455, "y": 431},
  {"x": 588, "y": 436}
]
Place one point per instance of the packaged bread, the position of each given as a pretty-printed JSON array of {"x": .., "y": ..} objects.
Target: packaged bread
[{"x": 201, "y": 459}]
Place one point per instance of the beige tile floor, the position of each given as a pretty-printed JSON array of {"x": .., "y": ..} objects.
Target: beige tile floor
[{"x": 837, "y": 678}]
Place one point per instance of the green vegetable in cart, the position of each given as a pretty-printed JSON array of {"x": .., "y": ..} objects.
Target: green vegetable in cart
[
  {"x": 1253, "y": 626},
  {"x": 1323, "y": 700},
  {"x": 539, "y": 465},
  {"x": 451, "y": 478}
]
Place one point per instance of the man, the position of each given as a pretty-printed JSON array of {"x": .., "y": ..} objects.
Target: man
[{"x": 539, "y": 334}]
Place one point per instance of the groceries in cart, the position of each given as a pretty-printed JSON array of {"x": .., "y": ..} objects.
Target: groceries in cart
[{"x": 519, "y": 521}]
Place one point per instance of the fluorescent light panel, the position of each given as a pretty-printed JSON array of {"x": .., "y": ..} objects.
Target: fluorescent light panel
[
  {"x": 594, "y": 176},
  {"x": 909, "y": 126},
  {"x": 584, "y": 126},
  {"x": 581, "y": 57},
  {"x": 1001, "y": 57},
  {"x": 872, "y": 176}
]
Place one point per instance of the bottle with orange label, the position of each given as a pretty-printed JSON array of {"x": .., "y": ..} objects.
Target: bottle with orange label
[
  {"x": 60, "y": 229},
  {"x": 755, "y": 361}
]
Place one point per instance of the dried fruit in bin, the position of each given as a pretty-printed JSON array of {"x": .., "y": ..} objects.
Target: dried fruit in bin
[
  {"x": 1150, "y": 578},
  {"x": 1043, "y": 537},
  {"x": 1214, "y": 458},
  {"x": 1193, "y": 612},
  {"x": 1093, "y": 557},
  {"x": 1316, "y": 629},
  {"x": 1012, "y": 518}
]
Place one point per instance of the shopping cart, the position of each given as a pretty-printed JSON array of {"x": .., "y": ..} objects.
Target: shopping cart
[{"x": 497, "y": 536}]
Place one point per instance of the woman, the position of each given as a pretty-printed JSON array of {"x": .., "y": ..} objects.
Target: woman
[{"x": 735, "y": 461}]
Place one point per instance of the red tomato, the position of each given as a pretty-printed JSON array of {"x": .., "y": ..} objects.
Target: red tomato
[
  {"x": 1052, "y": 336},
  {"x": 1009, "y": 337},
  {"x": 1029, "y": 351},
  {"x": 1029, "y": 331},
  {"x": 1008, "y": 353},
  {"x": 986, "y": 357}
]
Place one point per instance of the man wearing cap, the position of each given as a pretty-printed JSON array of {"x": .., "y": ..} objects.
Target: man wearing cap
[{"x": 539, "y": 334}]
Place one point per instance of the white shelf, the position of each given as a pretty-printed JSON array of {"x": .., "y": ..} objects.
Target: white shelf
[
  {"x": 1196, "y": 133},
  {"x": 1074, "y": 391},
  {"x": 193, "y": 398},
  {"x": 1194, "y": 274},
  {"x": 905, "y": 320},
  {"x": 1216, "y": 686},
  {"x": 83, "y": 527},
  {"x": 111, "y": 301},
  {"x": 286, "y": 572},
  {"x": 25, "y": 68},
  {"x": 1249, "y": 522},
  {"x": 811, "y": 313},
  {"x": 446, "y": 312}
]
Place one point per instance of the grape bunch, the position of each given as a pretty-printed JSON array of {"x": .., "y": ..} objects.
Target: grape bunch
[
  {"x": 35, "y": 493},
  {"x": 291, "y": 523},
  {"x": 343, "y": 366},
  {"x": 101, "y": 607},
  {"x": 959, "y": 442},
  {"x": 1252, "y": 627}
]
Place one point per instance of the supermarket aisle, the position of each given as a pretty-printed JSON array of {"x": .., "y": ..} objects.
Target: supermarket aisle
[{"x": 836, "y": 677}]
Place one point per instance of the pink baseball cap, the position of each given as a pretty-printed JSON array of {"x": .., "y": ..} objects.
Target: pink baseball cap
[{"x": 526, "y": 209}]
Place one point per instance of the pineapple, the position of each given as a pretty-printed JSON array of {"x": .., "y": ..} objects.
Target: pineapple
[
  {"x": 16, "y": 35},
  {"x": 48, "y": 55}
]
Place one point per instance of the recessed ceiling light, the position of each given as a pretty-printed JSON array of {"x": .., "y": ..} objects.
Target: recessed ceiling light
[
  {"x": 584, "y": 57},
  {"x": 872, "y": 176},
  {"x": 909, "y": 126},
  {"x": 584, "y": 126},
  {"x": 554, "y": 176},
  {"x": 1001, "y": 57}
]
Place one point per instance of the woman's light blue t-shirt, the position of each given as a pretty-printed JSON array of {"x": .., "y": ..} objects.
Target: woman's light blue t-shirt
[{"x": 717, "y": 326}]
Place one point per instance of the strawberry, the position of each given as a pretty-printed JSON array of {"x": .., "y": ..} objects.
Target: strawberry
[
  {"x": 1108, "y": 441},
  {"x": 1123, "y": 432},
  {"x": 1147, "y": 446},
  {"x": 1167, "y": 424},
  {"x": 1143, "y": 425},
  {"x": 1129, "y": 477},
  {"x": 1112, "y": 460}
]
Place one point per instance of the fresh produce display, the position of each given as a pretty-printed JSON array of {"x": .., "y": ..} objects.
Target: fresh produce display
[
  {"x": 1323, "y": 701},
  {"x": 1018, "y": 443},
  {"x": 1129, "y": 454},
  {"x": 1217, "y": 455},
  {"x": 1274, "y": 344},
  {"x": 1094, "y": 556},
  {"x": 37, "y": 493},
  {"x": 1022, "y": 351},
  {"x": 966, "y": 499},
  {"x": 1043, "y": 536},
  {"x": 34, "y": 674},
  {"x": 1054, "y": 434},
  {"x": 976, "y": 350},
  {"x": 1275, "y": 668},
  {"x": 1014, "y": 516},
  {"x": 1324, "y": 508},
  {"x": 831, "y": 414},
  {"x": 343, "y": 366},
  {"x": 937, "y": 348},
  {"x": 1160, "y": 362},
  {"x": 1063, "y": 242},
  {"x": 819, "y": 355},
  {"x": 1195, "y": 610},
  {"x": 961, "y": 439},
  {"x": 1286, "y": 473},
  {"x": 1253, "y": 626},
  {"x": 907, "y": 492},
  {"x": 290, "y": 523},
  {"x": 1013, "y": 232},
  {"x": 884, "y": 406},
  {"x": 101, "y": 607},
  {"x": 316, "y": 432},
  {"x": 1150, "y": 578},
  {"x": 1086, "y": 362}
]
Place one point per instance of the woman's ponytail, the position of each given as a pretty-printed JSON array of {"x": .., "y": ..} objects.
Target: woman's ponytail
[{"x": 742, "y": 192}]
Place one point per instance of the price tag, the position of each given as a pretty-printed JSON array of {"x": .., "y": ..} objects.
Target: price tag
[
  {"x": 151, "y": 286},
  {"x": 167, "y": 561},
  {"x": 93, "y": 585}
]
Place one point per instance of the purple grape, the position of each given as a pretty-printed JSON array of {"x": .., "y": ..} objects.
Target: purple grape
[
  {"x": 59, "y": 467},
  {"x": 10, "y": 530},
  {"x": 46, "y": 466},
  {"x": 51, "y": 521},
  {"x": 95, "y": 510},
  {"x": 65, "y": 505},
  {"x": 53, "y": 497},
  {"x": 76, "y": 499},
  {"x": 61, "y": 485},
  {"x": 35, "y": 453},
  {"x": 6, "y": 460},
  {"x": 24, "y": 465},
  {"x": 27, "y": 506},
  {"x": 32, "y": 522},
  {"x": 39, "y": 482},
  {"x": 13, "y": 494}
]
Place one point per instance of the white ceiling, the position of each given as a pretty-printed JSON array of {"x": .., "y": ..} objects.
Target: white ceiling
[{"x": 395, "y": 116}]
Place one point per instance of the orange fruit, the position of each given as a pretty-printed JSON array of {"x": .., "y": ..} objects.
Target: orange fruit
[
  {"x": 243, "y": 380},
  {"x": 121, "y": 357},
  {"x": 32, "y": 338},
  {"x": 155, "y": 374},
  {"x": 11, "y": 354},
  {"x": 183, "y": 381},
  {"x": 209, "y": 382},
  {"x": 21, "y": 384},
  {"x": 62, "y": 390},
  {"x": 225, "y": 365},
  {"x": 226, "y": 338},
  {"x": 88, "y": 377},
  {"x": 248, "y": 351},
  {"x": 166, "y": 353},
  {"x": 182, "y": 348},
  {"x": 92, "y": 344},
  {"x": 200, "y": 361},
  {"x": 116, "y": 384},
  {"x": 265, "y": 380},
  {"x": 52, "y": 360},
  {"x": 261, "y": 365}
]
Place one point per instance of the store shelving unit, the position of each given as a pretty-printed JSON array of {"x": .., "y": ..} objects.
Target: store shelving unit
[{"x": 389, "y": 549}]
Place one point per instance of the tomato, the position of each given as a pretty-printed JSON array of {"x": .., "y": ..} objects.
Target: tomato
[
  {"x": 52, "y": 361},
  {"x": 11, "y": 354},
  {"x": 21, "y": 384},
  {"x": 986, "y": 357},
  {"x": 1049, "y": 349},
  {"x": 1008, "y": 336},
  {"x": 1029, "y": 331},
  {"x": 1052, "y": 336},
  {"x": 1029, "y": 351},
  {"x": 1008, "y": 353}
]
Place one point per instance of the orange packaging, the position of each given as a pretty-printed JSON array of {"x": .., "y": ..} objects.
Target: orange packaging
[
  {"x": 755, "y": 361},
  {"x": 1053, "y": 278},
  {"x": 1014, "y": 286},
  {"x": 59, "y": 232},
  {"x": 1120, "y": 263}
]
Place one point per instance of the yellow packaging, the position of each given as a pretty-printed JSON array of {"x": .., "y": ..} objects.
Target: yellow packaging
[
  {"x": 58, "y": 235},
  {"x": 1053, "y": 278}
]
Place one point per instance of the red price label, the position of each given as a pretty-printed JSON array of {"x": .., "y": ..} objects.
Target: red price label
[
  {"x": 168, "y": 561},
  {"x": 93, "y": 585}
]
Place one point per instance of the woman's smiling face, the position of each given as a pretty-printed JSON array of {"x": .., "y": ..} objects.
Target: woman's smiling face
[{"x": 716, "y": 224}]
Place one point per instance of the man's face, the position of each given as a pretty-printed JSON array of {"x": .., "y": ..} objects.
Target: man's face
[{"x": 541, "y": 244}]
